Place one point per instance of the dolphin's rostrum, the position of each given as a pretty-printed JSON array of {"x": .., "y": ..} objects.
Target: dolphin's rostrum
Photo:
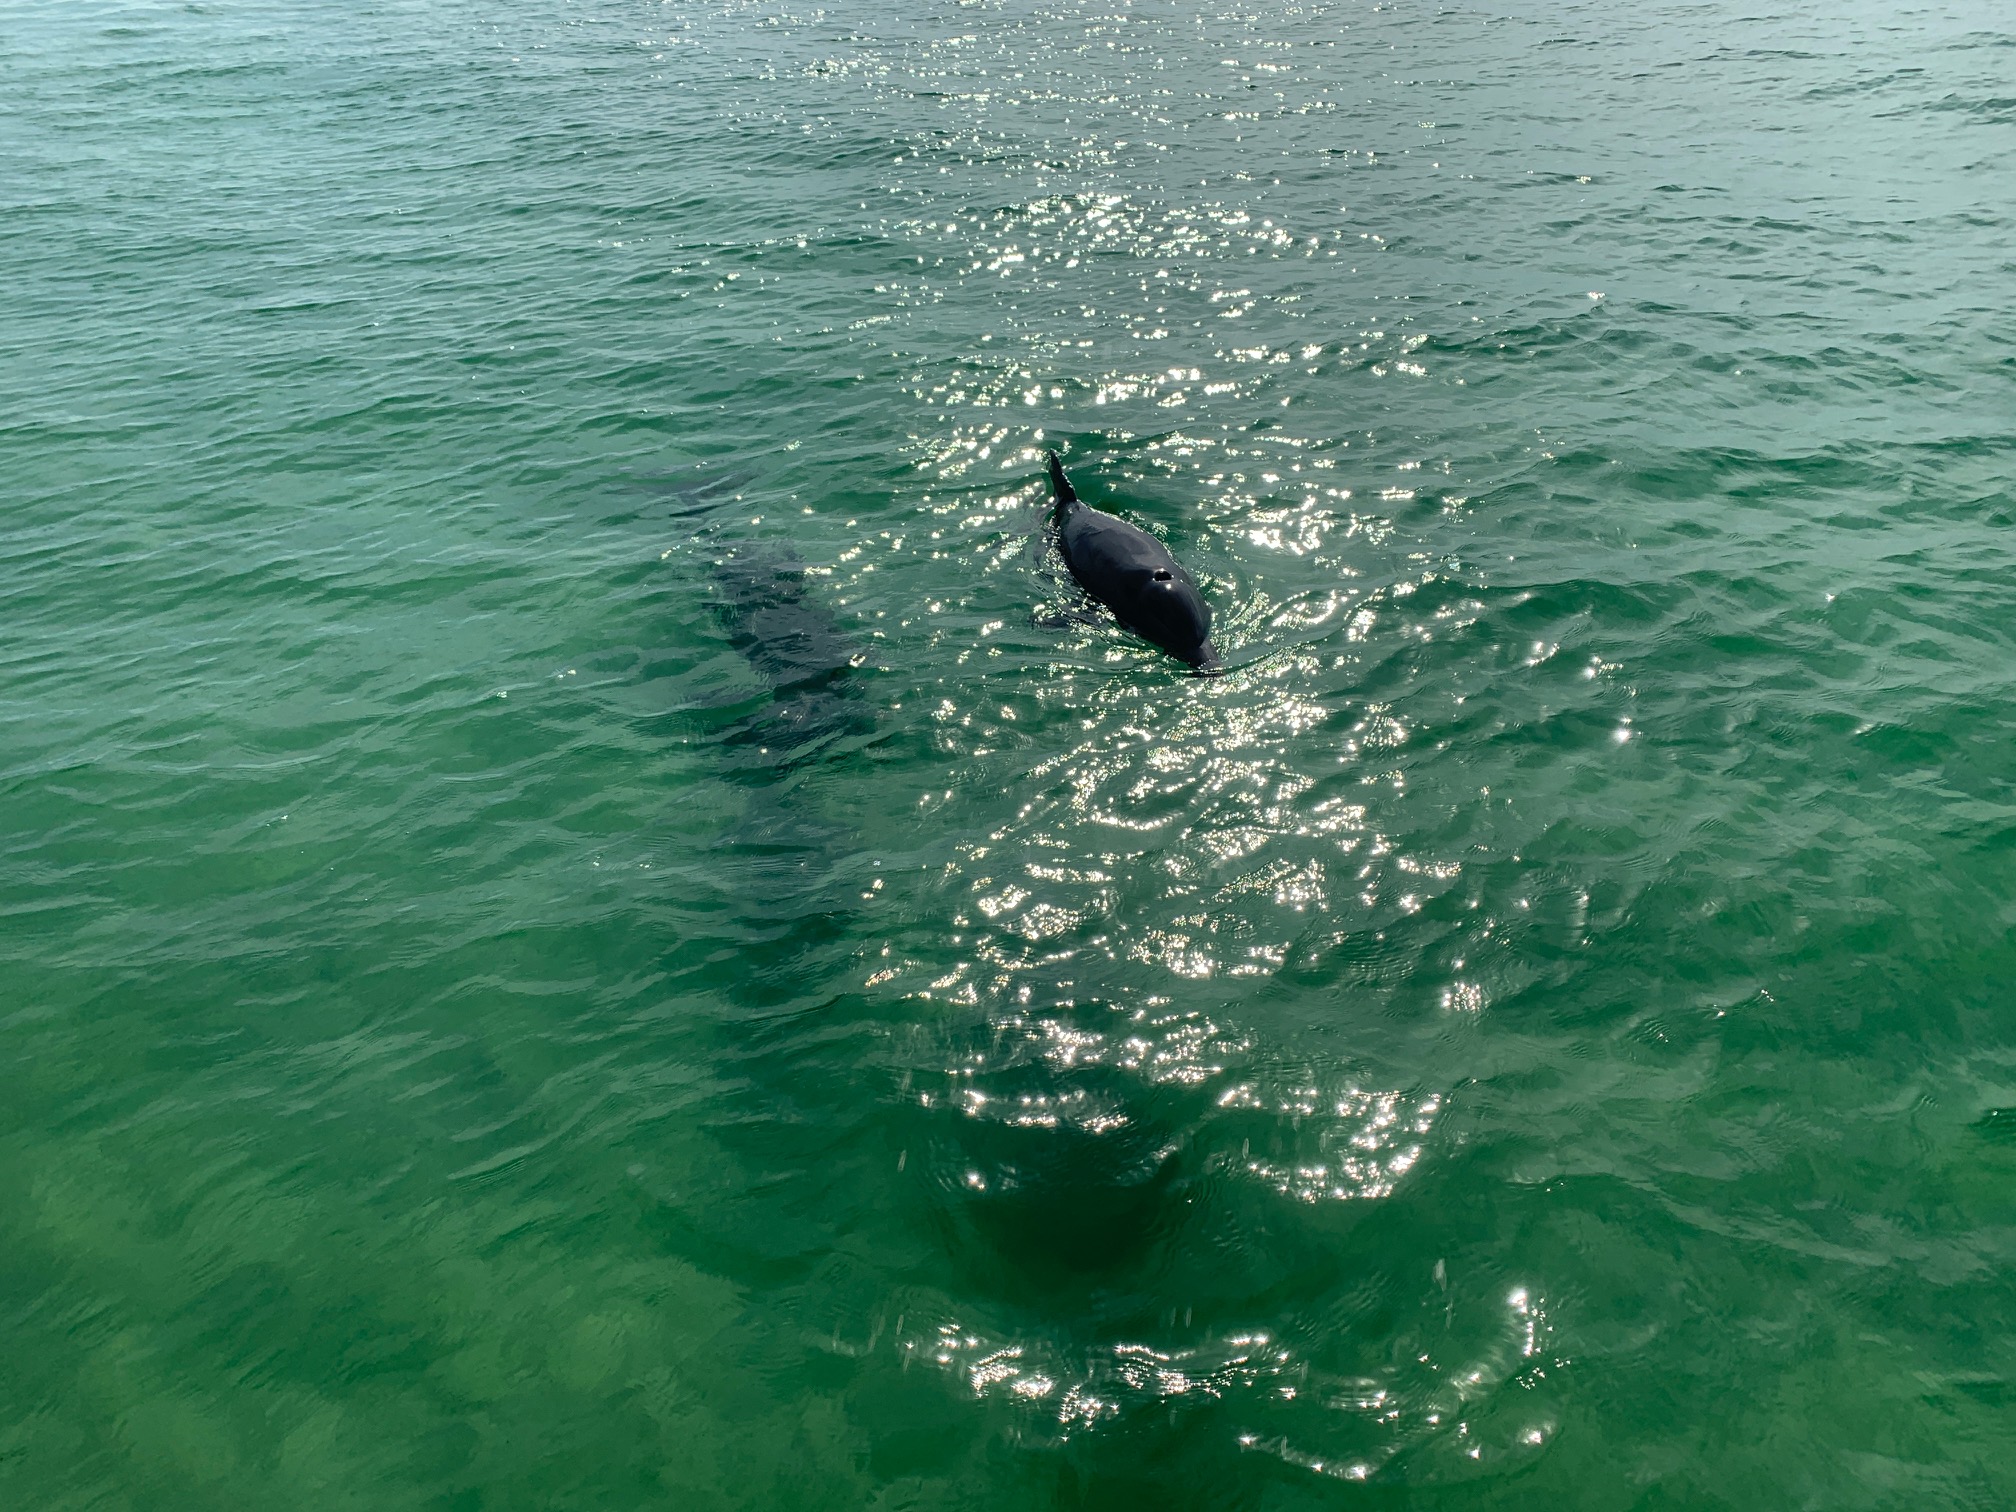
[{"x": 1132, "y": 574}]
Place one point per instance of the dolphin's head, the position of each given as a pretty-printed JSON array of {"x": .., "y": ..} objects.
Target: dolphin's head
[{"x": 1168, "y": 610}]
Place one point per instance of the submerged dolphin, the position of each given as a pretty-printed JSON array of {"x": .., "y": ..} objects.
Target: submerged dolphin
[
  {"x": 762, "y": 599},
  {"x": 1132, "y": 573}
]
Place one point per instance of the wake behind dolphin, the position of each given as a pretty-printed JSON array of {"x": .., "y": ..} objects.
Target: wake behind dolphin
[{"x": 1133, "y": 574}]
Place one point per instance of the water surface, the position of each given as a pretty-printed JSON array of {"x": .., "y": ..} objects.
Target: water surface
[{"x": 483, "y": 1028}]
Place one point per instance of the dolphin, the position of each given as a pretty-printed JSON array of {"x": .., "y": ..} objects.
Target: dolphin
[
  {"x": 1132, "y": 574},
  {"x": 793, "y": 643}
]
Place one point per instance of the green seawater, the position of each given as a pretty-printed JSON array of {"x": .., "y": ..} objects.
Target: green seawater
[{"x": 477, "y": 1034}]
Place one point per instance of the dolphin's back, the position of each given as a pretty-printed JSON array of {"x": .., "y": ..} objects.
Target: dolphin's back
[
  {"x": 793, "y": 643},
  {"x": 785, "y": 633},
  {"x": 1132, "y": 573},
  {"x": 1102, "y": 550}
]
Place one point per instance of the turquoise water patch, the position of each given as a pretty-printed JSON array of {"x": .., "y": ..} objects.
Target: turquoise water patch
[{"x": 484, "y": 1028}]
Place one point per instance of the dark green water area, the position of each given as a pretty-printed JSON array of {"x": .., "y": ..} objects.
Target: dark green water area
[{"x": 570, "y": 939}]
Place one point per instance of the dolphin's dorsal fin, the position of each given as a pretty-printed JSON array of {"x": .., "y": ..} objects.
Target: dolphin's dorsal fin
[{"x": 1060, "y": 486}]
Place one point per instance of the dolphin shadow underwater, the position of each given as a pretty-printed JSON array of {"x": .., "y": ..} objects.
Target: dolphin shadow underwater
[{"x": 1134, "y": 576}]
